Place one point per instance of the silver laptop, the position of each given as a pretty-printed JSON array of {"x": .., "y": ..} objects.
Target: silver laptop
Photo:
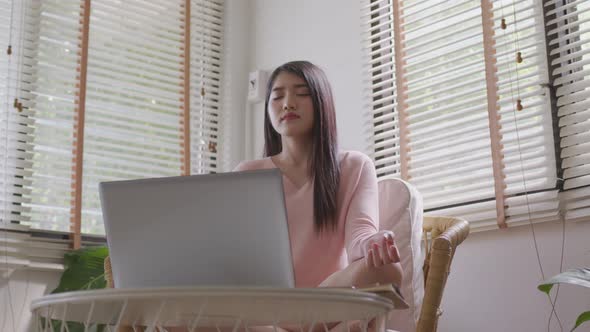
[{"x": 226, "y": 229}]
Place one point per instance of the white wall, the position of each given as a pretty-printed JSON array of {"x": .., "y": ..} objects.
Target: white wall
[
  {"x": 16, "y": 294},
  {"x": 492, "y": 286},
  {"x": 237, "y": 28},
  {"x": 29, "y": 268}
]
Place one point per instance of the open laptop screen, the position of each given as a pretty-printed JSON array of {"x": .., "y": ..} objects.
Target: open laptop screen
[{"x": 227, "y": 229}]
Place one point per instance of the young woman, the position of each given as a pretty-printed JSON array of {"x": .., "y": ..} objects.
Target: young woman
[{"x": 331, "y": 195}]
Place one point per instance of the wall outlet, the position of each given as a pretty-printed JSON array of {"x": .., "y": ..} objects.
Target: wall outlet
[{"x": 257, "y": 86}]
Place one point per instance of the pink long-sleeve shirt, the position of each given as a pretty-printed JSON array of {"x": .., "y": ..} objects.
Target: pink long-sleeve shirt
[{"x": 318, "y": 255}]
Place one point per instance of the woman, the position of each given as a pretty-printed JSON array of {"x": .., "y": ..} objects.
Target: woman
[{"x": 331, "y": 195}]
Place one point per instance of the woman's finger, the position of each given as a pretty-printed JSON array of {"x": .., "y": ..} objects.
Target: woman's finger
[
  {"x": 390, "y": 238},
  {"x": 384, "y": 241},
  {"x": 377, "y": 260},
  {"x": 385, "y": 253},
  {"x": 392, "y": 248},
  {"x": 369, "y": 258},
  {"x": 394, "y": 253},
  {"x": 388, "y": 258}
]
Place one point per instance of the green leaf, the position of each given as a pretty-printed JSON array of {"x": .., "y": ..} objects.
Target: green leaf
[
  {"x": 73, "y": 326},
  {"x": 580, "y": 277},
  {"x": 584, "y": 317},
  {"x": 84, "y": 269}
]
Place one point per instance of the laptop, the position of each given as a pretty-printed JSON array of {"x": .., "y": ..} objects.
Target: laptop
[{"x": 227, "y": 229}]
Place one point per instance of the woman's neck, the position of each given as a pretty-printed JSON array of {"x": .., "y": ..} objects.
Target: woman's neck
[{"x": 296, "y": 151}]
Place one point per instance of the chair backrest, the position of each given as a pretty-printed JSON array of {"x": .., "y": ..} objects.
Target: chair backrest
[
  {"x": 400, "y": 210},
  {"x": 442, "y": 235}
]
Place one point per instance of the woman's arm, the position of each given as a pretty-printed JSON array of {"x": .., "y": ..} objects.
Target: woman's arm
[
  {"x": 360, "y": 274},
  {"x": 373, "y": 257}
]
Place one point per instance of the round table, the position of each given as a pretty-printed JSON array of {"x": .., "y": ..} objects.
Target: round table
[{"x": 223, "y": 308}]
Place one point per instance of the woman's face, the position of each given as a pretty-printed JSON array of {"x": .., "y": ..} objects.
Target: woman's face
[{"x": 290, "y": 107}]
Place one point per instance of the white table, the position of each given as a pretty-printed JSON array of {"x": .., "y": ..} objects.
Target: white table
[{"x": 232, "y": 309}]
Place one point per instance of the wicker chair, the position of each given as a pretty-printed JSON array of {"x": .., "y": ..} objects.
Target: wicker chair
[
  {"x": 425, "y": 266},
  {"x": 108, "y": 273},
  {"x": 442, "y": 235}
]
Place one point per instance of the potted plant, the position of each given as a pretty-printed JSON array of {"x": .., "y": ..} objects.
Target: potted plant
[
  {"x": 83, "y": 270},
  {"x": 580, "y": 277}
]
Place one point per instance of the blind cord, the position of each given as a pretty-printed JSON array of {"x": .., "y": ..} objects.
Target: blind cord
[
  {"x": 517, "y": 105},
  {"x": 5, "y": 180}
]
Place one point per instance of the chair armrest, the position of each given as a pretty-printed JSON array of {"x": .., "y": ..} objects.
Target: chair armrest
[
  {"x": 446, "y": 233},
  {"x": 108, "y": 272}
]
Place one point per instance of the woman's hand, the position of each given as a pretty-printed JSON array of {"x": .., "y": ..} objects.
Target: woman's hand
[
  {"x": 381, "y": 250},
  {"x": 381, "y": 265}
]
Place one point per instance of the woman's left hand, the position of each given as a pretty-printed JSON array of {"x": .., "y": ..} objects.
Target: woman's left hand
[{"x": 381, "y": 250}]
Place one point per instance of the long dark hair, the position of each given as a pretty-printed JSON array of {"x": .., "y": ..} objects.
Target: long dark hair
[{"x": 324, "y": 167}]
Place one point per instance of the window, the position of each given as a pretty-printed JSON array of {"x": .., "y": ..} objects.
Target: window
[
  {"x": 568, "y": 33},
  {"x": 461, "y": 100},
  {"x": 15, "y": 114},
  {"x": 110, "y": 90}
]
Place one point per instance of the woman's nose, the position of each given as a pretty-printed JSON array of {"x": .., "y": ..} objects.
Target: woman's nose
[{"x": 288, "y": 102}]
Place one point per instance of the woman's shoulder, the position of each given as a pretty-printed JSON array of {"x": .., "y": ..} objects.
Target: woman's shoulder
[
  {"x": 250, "y": 165},
  {"x": 356, "y": 166},
  {"x": 354, "y": 160}
]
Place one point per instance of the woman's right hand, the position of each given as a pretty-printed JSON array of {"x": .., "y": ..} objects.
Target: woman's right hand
[{"x": 381, "y": 250}]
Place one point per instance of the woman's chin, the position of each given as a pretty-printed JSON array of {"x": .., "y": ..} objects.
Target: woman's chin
[{"x": 295, "y": 132}]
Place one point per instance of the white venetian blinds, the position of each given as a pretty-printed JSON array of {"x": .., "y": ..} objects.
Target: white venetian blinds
[
  {"x": 206, "y": 74},
  {"x": 110, "y": 90},
  {"x": 133, "y": 96},
  {"x": 56, "y": 76},
  {"x": 455, "y": 113},
  {"x": 444, "y": 83},
  {"x": 16, "y": 35},
  {"x": 379, "y": 74},
  {"x": 525, "y": 110},
  {"x": 568, "y": 31}
]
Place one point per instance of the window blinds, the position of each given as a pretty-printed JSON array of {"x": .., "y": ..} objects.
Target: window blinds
[
  {"x": 527, "y": 134},
  {"x": 113, "y": 97},
  {"x": 28, "y": 43},
  {"x": 379, "y": 74},
  {"x": 57, "y": 94},
  {"x": 448, "y": 114},
  {"x": 17, "y": 35},
  {"x": 568, "y": 32},
  {"x": 133, "y": 96},
  {"x": 206, "y": 74}
]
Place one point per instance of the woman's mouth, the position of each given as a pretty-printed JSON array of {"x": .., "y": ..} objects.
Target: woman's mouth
[{"x": 289, "y": 116}]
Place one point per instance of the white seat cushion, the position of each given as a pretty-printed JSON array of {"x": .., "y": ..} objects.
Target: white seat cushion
[{"x": 400, "y": 210}]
